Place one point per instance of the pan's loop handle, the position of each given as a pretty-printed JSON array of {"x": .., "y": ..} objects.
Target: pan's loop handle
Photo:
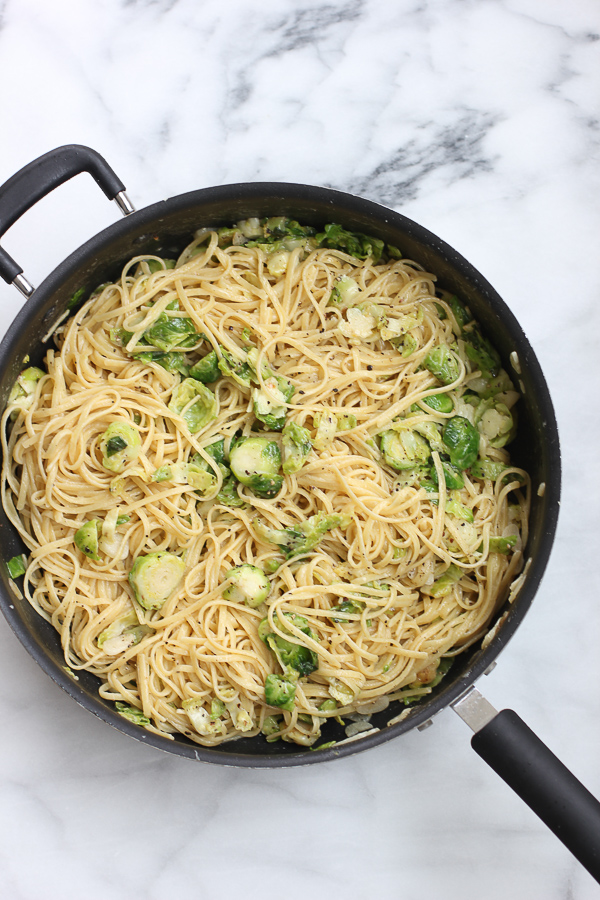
[
  {"x": 38, "y": 179},
  {"x": 519, "y": 757}
]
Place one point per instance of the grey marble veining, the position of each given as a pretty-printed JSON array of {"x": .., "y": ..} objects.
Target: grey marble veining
[{"x": 480, "y": 120}]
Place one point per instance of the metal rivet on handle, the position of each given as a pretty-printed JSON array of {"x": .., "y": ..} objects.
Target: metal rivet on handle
[{"x": 425, "y": 725}]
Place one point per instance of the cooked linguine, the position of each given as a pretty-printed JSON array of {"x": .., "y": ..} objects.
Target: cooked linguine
[{"x": 266, "y": 484}]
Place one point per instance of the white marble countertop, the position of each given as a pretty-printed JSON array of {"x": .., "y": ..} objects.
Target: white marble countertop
[{"x": 480, "y": 120}]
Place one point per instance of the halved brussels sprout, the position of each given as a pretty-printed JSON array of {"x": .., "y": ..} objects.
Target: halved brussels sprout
[
  {"x": 442, "y": 363},
  {"x": 86, "y": 539},
  {"x": 497, "y": 424},
  {"x": 462, "y": 440},
  {"x": 404, "y": 448},
  {"x": 441, "y": 403},
  {"x": 280, "y": 691},
  {"x": 277, "y": 262},
  {"x": 345, "y": 292},
  {"x": 123, "y": 633},
  {"x": 248, "y": 584},
  {"x": 255, "y": 462},
  {"x": 155, "y": 576},
  {"x": 120, "y": 445},
  {"x": 295, "y": 659}
]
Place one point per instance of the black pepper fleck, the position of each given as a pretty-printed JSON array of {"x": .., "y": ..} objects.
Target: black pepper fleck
[{"x": 370, "y": 368}]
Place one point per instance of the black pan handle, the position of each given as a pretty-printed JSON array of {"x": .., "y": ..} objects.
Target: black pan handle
[
  {"x": 526, "y": 764},
  {"x": 40, "y": 177}
]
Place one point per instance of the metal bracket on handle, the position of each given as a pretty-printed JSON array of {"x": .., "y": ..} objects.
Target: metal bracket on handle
[
  {"x": 474, "y": 709},
  {"x": 124, "y": 203},
  {"x": 23, "y": 286}
]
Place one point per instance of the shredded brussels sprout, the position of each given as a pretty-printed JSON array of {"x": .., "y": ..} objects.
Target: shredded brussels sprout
[
  {"x": 443, "y": 585},
  {"x": 16, "y": 566},
  {"x": 195, "y": 403},
  {"x": 23, "y": 390},
  {"x": 303, "y": 537},
  {"x": 296, "y": 445}
]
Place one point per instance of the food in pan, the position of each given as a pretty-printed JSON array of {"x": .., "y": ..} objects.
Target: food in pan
[{"x": 266, "y": 484}]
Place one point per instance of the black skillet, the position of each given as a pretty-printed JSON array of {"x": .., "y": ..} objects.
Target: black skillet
[{"x": 502, "y": 739}]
